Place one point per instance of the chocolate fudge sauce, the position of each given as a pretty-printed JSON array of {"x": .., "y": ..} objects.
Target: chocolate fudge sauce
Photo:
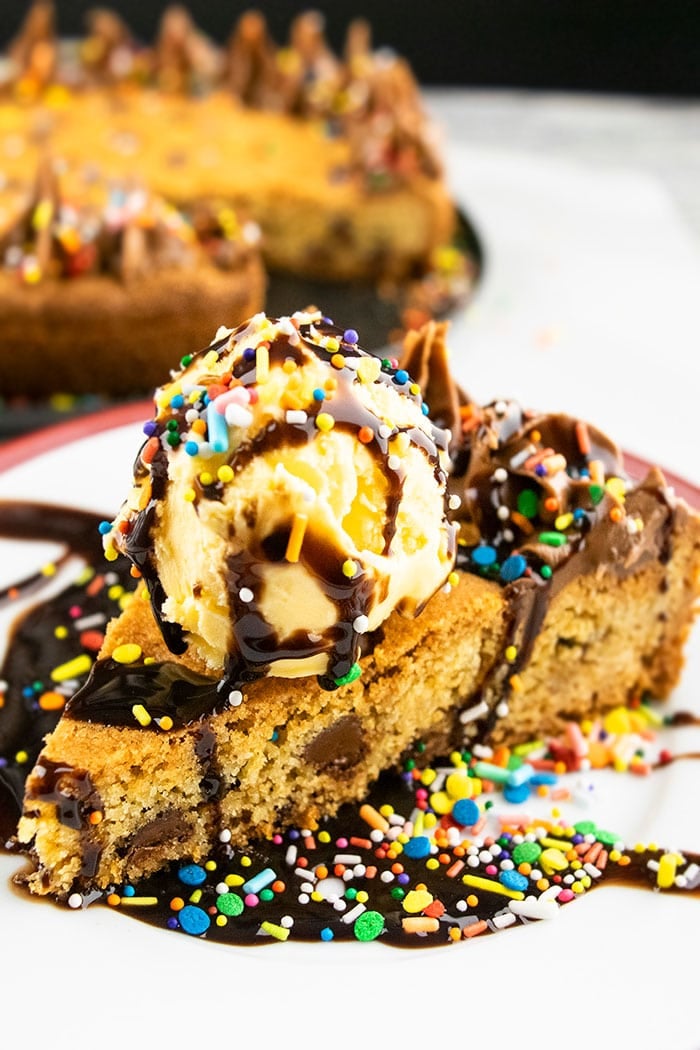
[{"x": 36, "y": 648}]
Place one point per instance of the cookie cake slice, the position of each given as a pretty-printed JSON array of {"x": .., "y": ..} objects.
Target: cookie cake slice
[{"x": 338, "y": 556}]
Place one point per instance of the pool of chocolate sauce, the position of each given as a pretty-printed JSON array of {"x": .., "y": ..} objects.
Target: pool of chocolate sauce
[{"x": 36, "y": 647}]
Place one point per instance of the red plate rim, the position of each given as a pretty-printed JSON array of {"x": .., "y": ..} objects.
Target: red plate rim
[{"x": 18, "y": 450}]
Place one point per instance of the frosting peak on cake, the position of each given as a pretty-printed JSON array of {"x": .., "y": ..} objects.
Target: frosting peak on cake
[
  {"x": 531, "y": 490},
  {"x": 291, "y": 494},
  {"x": 538, "y": 491}
]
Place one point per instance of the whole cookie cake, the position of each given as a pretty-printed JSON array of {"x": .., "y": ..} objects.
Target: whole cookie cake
[{"x": 147, "y": 187}]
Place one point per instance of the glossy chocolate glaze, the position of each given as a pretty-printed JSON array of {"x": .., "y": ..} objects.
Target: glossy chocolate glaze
[{"x": 166, "y": 688}]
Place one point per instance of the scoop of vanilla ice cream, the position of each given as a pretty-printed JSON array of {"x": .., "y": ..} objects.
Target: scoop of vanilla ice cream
[{"x": 291, "y": 494}]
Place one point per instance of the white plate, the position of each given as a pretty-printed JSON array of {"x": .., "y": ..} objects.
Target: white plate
[{"x": 570, "y": 306}]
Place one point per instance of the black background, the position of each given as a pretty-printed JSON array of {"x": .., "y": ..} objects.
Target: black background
[{"x": 622, "y": 46}]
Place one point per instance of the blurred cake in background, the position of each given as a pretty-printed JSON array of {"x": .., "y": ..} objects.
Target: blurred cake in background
[
  {"x": 102, "y": 281},
  {"x": 144, "y": 188}
]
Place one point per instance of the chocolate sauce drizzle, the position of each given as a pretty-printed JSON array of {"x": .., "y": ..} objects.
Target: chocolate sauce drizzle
[
  {"x": 166, "y": 688},
  {"x": 73, "y": 794},
  {"x": 34, "y": 648}
]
